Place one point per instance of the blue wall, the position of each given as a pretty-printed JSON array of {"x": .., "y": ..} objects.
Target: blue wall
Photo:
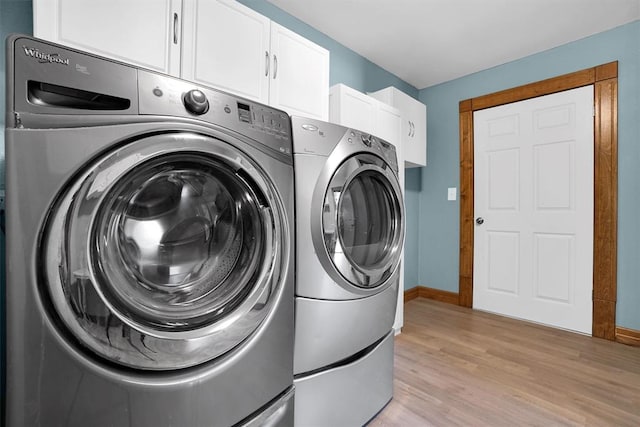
[
  {"x": 439, "y": 228},
  {"x": 413, "y": 188}
]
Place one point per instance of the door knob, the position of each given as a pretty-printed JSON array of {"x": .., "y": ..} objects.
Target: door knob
[{"x": 479, "y": 220}]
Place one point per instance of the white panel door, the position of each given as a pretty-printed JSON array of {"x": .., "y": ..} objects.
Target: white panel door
[
  {"x": 533, "y": 190},
  {"x": 141, "y": 32},
  {"x": 299, "y": 75},
  {"x": 226, "y": 45}
]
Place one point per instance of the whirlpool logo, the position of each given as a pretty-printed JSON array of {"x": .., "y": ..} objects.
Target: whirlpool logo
[{"x": 51, "y": 58}]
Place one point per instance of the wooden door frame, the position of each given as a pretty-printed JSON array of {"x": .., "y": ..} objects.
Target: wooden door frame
[{"x": 604, "y": 78}]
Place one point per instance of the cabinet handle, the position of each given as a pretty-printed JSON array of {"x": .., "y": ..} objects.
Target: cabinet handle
[
  {"x": 275, "y": 66},
  {"x": 175, "y": 28},
  {"x": 266, "y": 63},
  {"x": 410, "y": 129}
]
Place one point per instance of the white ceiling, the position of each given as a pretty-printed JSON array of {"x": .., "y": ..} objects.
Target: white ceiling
[{"x": 426, "y": 42}]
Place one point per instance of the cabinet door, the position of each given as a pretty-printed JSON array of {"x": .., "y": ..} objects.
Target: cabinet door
[
  {"x": 226, "y": 45},
  {"x": 299, "y": 75},
  {"x": 414, "y": 129},
  {"x": 414, "y": 124},
  {"x": 142, "y": 32},
  {"x": 351, "y": 108}
]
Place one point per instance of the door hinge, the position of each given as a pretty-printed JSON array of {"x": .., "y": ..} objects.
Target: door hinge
[{"x": 593, "y": 110}]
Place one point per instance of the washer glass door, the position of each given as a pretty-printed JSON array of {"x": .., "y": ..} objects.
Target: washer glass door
[
  {"x": 177, "y": 242},
  {"x": 165, "y": 255},
  {"x": 362, "y": 221}
]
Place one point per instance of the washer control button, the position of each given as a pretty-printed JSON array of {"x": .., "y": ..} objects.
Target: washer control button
[
  {"x": 196, "y": 102},
  {"x": 366, "y": 140}
]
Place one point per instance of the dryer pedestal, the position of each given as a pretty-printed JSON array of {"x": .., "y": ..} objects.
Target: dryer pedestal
[
  {"x": 328, "y": 332},
  {"x": 350, "y": 394}
]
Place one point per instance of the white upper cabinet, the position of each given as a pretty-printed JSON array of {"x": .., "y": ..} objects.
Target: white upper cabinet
[
  {"x": 299, "y": 74},
  {"x": 218, "y": 43},
  {"x": 351, "y": 108},
  {"x": 354, "y": 109},
  {"x": 143, "y": 32},
  {"x": 414, "y": 124},
  {"x": 226, "y": 45}
]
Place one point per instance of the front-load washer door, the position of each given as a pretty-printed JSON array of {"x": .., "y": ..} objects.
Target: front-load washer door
[
  {"x": 360, "y": 232},
  {"x": 167, "y": 253}
]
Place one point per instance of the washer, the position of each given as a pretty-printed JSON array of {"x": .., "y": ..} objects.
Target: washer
[
  {"x": 350, "y": 232},
  {"x": 149, "y": 245}
]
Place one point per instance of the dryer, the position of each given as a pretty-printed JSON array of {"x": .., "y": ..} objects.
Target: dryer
[
  {"x": 149, "y": 248},
  {"x": 350, "y": 232}
]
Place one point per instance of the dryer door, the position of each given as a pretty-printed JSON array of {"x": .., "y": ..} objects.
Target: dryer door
[
  {"x": 166, "y": 253},
  {"x": 362, "y": 227}
]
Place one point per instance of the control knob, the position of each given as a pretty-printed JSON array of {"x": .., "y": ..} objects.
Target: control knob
[
  {"x": 196, "y": 102},
  {"x": 366, "y": 140}
]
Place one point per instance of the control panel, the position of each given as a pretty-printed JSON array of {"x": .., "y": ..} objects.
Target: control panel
[
  {"x": 369, "y": 141},
  {"x": 108, "y": 87},
  {"x": 372, "y": 143},
  {"x": 164, "y": 95},
  {"x": 322, "y": 138},
  {"x": 265, "y": 119}
]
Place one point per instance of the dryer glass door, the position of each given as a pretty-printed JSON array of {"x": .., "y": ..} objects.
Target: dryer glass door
[{"x": 362, "y": 221}]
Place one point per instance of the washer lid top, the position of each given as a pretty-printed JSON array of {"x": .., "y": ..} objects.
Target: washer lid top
[{"x": 166, "y": 253}]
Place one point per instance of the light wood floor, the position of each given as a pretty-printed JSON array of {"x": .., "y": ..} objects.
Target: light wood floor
[{"x": 456, "y": 366}]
